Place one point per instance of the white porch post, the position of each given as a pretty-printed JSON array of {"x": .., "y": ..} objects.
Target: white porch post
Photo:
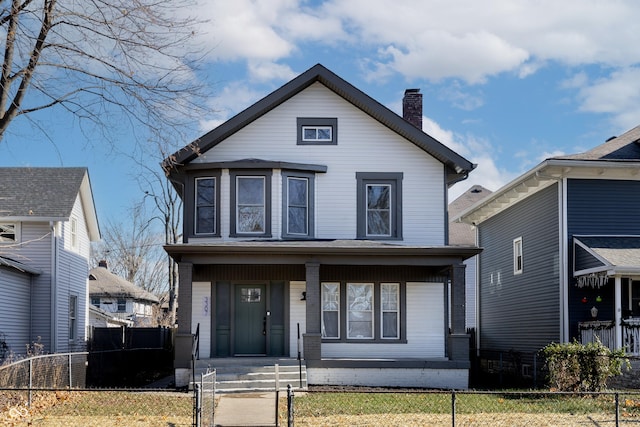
[{"x": 618, "y": 311}]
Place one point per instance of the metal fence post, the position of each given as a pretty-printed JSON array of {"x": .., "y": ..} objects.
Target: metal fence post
[
  {"x": 453, "y": 408},
  {"x": 30, "y": 382},
  {"x": 70, "y": 374},
  {"x": 617, "y": 409},
  {"x": 290, "y": 411},
  {"x": 198, "y": 408}
]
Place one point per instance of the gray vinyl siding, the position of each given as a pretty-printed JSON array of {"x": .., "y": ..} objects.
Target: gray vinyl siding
[
  {"x": 596, "y": 206},
  {"x": 521, "y": 312},
  {"x": 73, "y": 271},
  {"x": 15, "y": 287},
  {"x": 37, "y": 253}
]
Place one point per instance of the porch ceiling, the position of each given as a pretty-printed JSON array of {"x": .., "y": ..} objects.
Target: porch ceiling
[{"x": 338, "y": 252}]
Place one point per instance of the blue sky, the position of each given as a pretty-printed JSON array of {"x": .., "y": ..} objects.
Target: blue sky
[{"x": 505, "y": 84}]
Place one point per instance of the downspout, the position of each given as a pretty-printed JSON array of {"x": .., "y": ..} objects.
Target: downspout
[
  {"x": 54, "y": 284},
  {"x": 564, "y": 258}
]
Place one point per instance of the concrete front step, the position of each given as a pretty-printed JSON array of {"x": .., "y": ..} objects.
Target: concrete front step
[{"x": 253, "y": 374}]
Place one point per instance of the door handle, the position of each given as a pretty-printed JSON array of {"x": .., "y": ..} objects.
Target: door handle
[{"x": 264, "y": 326}]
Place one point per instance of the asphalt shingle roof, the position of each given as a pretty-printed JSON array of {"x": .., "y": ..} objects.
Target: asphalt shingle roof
[
  {"x": 619, "y": 251},
  {"x": 104, "y": 282},
  {"x": 461, "y": 233},
  {"x": 39, "y": 192},
  {"x": 624, "y": 147}
]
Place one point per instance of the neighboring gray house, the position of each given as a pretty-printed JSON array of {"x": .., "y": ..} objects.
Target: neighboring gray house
[
  {"x": 320, "y": 210},
  {"x": 561, "y": 253},
  {"x": 465, "y": 235},
  {"x": 47, "y": 221},
  {"x": 121, "y": 298}
]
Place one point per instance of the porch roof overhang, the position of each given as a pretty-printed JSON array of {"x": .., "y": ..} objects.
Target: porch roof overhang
[
  {"x": 336, "y": 252},
  {"x": 606, "y": 255},
  {"x": 23, "y": 268}
]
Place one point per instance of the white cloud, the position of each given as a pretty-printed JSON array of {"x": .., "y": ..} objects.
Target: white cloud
[
  {"x": 233, "y": 98},
  {"x": 477, "y": 151}
]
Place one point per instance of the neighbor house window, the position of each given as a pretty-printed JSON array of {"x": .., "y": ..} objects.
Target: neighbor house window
[
  {"x": 73, "y": 316},
  {"x": 317, "y": 131},
  {"x": 297, "y": 205},
  {"x": 205, "y": 211},
  {"x": 379, "y": 200},
  {"x": 251, "y": 204},
  {"x": 331, "y": 310},
  {"x": 360, "y": 310},
  {"x": 390, "y": 310},
  {"x": 122, "y": 305},
  {"x": 95, "y": 301},
  {"x": 517, "y": 255},
  {"x": 74, "y": 233},
  {"x": 8, "y": 232}
]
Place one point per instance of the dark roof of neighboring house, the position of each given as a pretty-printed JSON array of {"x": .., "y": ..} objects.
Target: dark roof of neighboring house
[
  {"x": 458, "y": 166},
  {"x": 459, "y": 232},
  {"x": 39, "y": 192},
  {"x": 102, "y": 282},
  {"x": 620, "y": 148}
]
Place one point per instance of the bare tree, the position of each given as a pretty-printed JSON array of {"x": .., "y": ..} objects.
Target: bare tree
[
  {"x": 133, "y": 250},
  {"x": 106, "y": 62}
]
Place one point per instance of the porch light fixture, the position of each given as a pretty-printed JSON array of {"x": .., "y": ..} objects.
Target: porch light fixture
[{"x": 304, "y": 296}]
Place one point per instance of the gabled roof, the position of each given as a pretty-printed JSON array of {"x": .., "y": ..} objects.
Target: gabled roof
[
  {"x": 459, "y": 232},
  {"x": 616, "y": 158},
  {"x": 458, "y": 167},
  {"x": 610, "y": 254},
  {"x": 37, "y": 194},
  {"x": 102, "y": 282}
]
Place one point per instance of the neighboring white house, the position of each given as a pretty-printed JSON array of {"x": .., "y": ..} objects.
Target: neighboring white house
[
  {"x": 121, "y": 298},
  {"x": 318, "y": 209},
  {"x": 47, "y": 221}
]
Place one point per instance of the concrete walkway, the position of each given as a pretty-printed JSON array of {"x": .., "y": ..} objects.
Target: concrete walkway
[{"x": 246, "y": 409}]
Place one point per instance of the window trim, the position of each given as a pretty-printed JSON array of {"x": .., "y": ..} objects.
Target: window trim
[
  {"x": 16, "y": 233},
  {"x": 317, "y": 122},
  {"x": 73, "y": 230},
  {"x": 371, "y": 311},
  {"x": 377, "y": 314},
  {"x": 73, "y": 317},
  {"x": 322, "y": 310},
  {"x": 266, "y": 175},
  {"x": 394, "y": 179},
  {"x": 216, "y": 210},
  {"x": 518, "y": 258},
  {"x": 286, "y": 175},
  {"x": 189, "y": 223},
  {"x": 383, "y": 311}
]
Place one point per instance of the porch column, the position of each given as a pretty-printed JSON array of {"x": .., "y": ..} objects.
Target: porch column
[
  {"x": 183, "y": 339},
  {"x": 618, "y": 311},
  {"x": 458, "y": 338},
  {"x": 312, "y": 339}
]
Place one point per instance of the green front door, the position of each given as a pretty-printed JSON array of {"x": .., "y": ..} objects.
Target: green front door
[{"x": 250, "y": 319}]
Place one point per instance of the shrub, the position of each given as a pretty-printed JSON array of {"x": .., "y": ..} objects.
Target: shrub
[{"x": 577, "y": 367}]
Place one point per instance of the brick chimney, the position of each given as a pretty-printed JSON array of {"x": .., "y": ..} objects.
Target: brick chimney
[
  {"x": 102, "y": 263},
  {"x": 412, "y": 107}
]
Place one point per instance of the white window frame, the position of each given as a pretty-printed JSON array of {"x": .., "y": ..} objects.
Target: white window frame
[
  {"x": 384, "y": 310},
  {"x": 119, "y": 304},
  {"x": 518, "y": 259},
  {"x": 5, "y": 231},
  {"x": 73, "y": 317},
  {"x": 317, "y": 130},
  {"x": 213, "y": 206},
  {"x": 337, "y": 310},
  {"x": 263, "y": 205},
  {"x": 370, "y": 311},
  {"x": 73, "y": 230}
]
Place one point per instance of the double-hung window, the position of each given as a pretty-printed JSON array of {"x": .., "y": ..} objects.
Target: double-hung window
[
  {"x": 205, "y": 212},
  {"x": 517, "y": 256},
  {"x": 297, "y": 205},
  {"x": 360, "y": 310},
  {"x": 331, "y": 310},
  {"x": 73, "y": 316},
  {"x": 251, "y": 203},
  {"x": 379, "y": 201},
  {"x": 390, "y": 310}
]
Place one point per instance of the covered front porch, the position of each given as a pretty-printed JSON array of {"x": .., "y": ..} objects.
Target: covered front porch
[{"x": 607, "y": 285}]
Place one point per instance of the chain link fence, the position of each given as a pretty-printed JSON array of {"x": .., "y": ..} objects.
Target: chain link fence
[
  {"x": 204, "y": 400},
  {"x": 460, "y": 408}
]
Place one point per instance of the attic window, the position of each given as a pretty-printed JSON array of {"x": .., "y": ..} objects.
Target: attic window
[
  {"x": 92, "y": 277},
  {"x": 317, "y": 131}
]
